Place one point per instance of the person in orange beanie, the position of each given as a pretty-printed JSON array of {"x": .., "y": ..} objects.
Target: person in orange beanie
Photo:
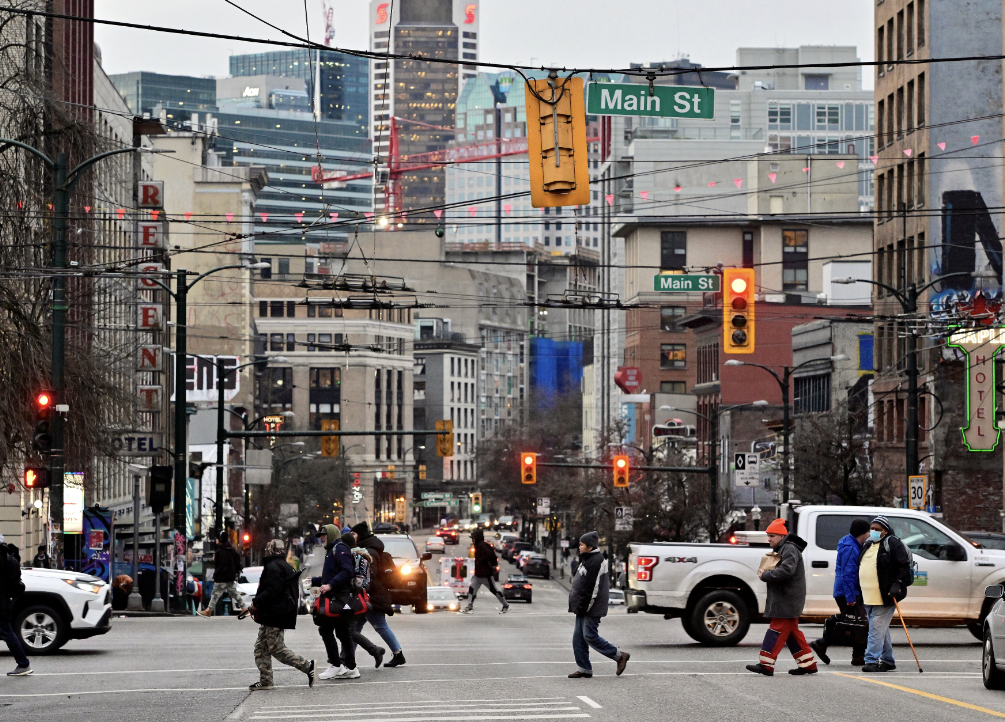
[{"x": 786, "y": 598}]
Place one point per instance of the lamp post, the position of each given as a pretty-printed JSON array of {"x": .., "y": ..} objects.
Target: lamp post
[{"x": 783, "y": 383}]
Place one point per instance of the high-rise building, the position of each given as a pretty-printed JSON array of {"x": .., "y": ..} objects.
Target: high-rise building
[
  {"x": 182, "y": 94},
  {"x": 421, "y": 96}
]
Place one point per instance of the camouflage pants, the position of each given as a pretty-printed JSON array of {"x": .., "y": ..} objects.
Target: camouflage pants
[
  {"x": 270, "y": 644},
  {"x": 230, "y": 589}
]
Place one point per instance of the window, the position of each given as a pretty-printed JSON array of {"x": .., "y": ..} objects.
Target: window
[
  {"x": 670, "y": 316},
  {"x": 910, "y": 29},
  {"x": 673, "y": 356},
  {"x": 923, "y": 539},
  {"x": 920, "y": 115},
  {"x": 880, "y": 48},
  {"x": 900, "y": 112},
  {"x": 865, "y": 347},
  {"x": 748, "y": 246},
  {"x": 910, "y": 184},
  {"x": 310, "y": 342},
  {"x": 266, "y": 273},
  {"x": 291, "y": 309},
  {"x": 812, "y": 394},
  {"x": 325, "y": 342},
  {"x": 795, "y": 260},
  {"x": 276, "y": 342},
  {"x": 900, "y": 35},
  {"x": 325, "y": 395},
  {"x": 889, "y": 118},
  {"x": 889, "y": 43},
  {"x": 276, "y": 309},
  {"x": 276, "y": 389},
  {"x": 817, "y": 82},
  {"x": 291, "y": 342},
  {"x": 263, "y": 309},
  {"x": 284, "y": 266},
  {"x": 673, "y": 250},
  {"x": 921, "y": 23},
  {"x": 831, "y": 527},
  {"x": 734, "y": 118},
  {"x": 881, "y": 125},
  {"x": 920, "y": 196},
  {"x": 673, "y": 387}
]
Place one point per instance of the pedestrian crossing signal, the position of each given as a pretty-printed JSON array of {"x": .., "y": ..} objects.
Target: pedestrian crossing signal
[
  {"x": 36, "y": 477},
  {"x": 528, "y": 464},
  {"x": 621, "y": 470}
]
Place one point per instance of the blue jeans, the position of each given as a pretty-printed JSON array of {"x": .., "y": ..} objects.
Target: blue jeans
[
  {"x": 879, "y": 649},
  {"x": 8, "y": 635},
  {"x": 378, "y": 621},
  {"x": 586, "y": 636}
]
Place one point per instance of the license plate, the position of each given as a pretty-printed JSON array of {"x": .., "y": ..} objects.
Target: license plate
[{"x": 411, "y": 584}]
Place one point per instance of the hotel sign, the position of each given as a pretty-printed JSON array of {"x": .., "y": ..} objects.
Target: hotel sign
[{"x": 980, "y": 345}]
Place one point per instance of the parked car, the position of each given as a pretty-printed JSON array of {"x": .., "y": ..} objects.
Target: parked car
[
  {"x": 714, "y": 590},
  {"x": 517, "y": 586},
  {"x": 512, "y": 550},
  {"x": 537, "y": 565},
  {"x": 58, "y": 606},
  {"x": 387, "y": 527},
  {"x": 441, "y": 599},
  {"x": 616, "y": 596},
  {"x": 408, "y": 586},
  {"x": 435, "y": 544},
  {"x": 987, "y": 539},
  {"x": 450, "y": 535}
]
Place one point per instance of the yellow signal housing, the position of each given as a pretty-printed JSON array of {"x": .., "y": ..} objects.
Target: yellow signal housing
[
  {"x": 622, "y": 468},
  {"x": 528, "y": 467},
  {"x": 738, "y": 310},
  {"x": 445, "y": 442},
  {"x": 556, "y": 143}
]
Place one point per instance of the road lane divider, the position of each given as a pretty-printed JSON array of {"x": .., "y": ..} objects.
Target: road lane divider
[{"x": 928, "y": 695}]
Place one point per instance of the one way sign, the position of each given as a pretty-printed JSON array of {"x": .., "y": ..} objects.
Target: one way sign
[{"x": 746, "y": 469}]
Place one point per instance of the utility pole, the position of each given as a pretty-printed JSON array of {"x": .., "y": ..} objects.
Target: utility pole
[
  {"x": 498, "y": 131},
  {"x": 180, "y": 400}
]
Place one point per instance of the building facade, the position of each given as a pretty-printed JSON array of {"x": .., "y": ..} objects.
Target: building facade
[{"x": 143, "y": 91}]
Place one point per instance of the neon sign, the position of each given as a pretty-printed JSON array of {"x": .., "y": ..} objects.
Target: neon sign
[{"x": 980, "y": 346}]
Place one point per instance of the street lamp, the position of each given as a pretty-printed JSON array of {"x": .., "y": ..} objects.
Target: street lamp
[{"x": 783, "y": 383}]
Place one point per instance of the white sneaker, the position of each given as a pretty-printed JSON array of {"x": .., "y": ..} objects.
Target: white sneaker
[
  {"x": 332, "y": 672},
  {"x": 349, "y": 673}
]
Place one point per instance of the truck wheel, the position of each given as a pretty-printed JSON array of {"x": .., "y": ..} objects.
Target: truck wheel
[
  {"x": 994, "y": 678},
  {"x": 41, "y": 629},
  {"x": 720, "y": 619},
  {"x": 685, "y": 622},
  {"x": 976, "y": 629}
]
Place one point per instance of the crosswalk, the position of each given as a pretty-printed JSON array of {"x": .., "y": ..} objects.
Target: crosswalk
[{"x": 435, "y": 710}]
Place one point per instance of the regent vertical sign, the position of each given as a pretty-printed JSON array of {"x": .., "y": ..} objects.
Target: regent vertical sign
[{"x": 980, "y": 433}]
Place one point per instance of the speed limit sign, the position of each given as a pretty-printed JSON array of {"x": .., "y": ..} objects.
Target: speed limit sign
[{"x": 917, "y": 491}]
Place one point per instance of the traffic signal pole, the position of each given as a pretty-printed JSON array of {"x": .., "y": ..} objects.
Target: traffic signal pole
[{"x": 180, "y": 400}]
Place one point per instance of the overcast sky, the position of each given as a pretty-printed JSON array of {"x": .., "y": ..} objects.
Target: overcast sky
[{"x": 581, "y": 33}]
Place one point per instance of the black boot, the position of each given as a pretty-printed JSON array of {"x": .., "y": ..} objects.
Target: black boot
[
  {"x": 820, "y": 649},
  {"x": 397, "y": 660},
  {"x": 378, "y": 656}
]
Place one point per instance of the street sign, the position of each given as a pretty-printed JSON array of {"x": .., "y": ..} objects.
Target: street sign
[
  {"x": 663, "y": 101},
  {"x": 543, "y": 505},
  {"x": 437, "y": 495},
  {"x": 685, "y": 282},
  {"x": 624, "y": 518},
  {"x": 258, "y": 467},
  {"x": 746, "y": 469},
  {"x": 918, "y": 491},
  {"x": 428, "y": 503},
  {"x": 565, "y": 543}
]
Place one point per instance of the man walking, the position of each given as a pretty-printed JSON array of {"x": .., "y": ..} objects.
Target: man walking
[
  {"x": 786, "y": 598},
  {"x": 226, "y": 569},
  {"x": 485, "y": 571},
  {"x": 846, "y": 587},
  {"x": 588, "y": 600},
  {"x": 884, "y": 574},
  {"x": 276, "y": 610},
  {"x": 41, "y": 560},
  {"x": 11, "y": 586}
]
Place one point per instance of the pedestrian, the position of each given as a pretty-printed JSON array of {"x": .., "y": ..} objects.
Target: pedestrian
[
  {"x": 591, "y": 585},
  {"x": 227, "y": 567},
  {"x": 485, "y": 571},
  {"x": 41, "y": 560},
  {"x": 382, "y": 571},
  {"x": 846, "y": 592},
  {"x": 11, "y": 586},
  {"x": 275, "y": 608},
  {"x": 884, "y": 574},
  {"x": 786, "y": 598},
  {"x": 574, "y": 566},
  {"x": 336, "y": 583},
  {"x": 361, "y": 581}
]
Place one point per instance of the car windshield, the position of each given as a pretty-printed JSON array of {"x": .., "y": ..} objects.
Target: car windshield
[
  {"x": 441, "y": 595},
  {"x": 400, "y": 547},
  {"x": 251, "y": 575}
]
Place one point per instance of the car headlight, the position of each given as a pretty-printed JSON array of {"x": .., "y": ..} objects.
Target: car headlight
[
  {"x": 405, "y": 569},
  {"x": 452, "y": 606},
  {"x": 429, "y": 607},
  {"x": 85, "y": 586}
]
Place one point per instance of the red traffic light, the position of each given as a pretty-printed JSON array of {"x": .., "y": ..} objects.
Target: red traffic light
[
  {"x": 621, "y": 471},
  {"x": 246, "y": 537},
  {"x": 622, "y": 463},
  {"x": 44, "y": 398}
]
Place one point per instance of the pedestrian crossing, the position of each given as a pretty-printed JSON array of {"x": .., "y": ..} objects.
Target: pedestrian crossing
[{"x": 523, "y": 708}]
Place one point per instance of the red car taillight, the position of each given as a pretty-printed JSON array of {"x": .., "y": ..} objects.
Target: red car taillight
[
  {"x": 526, "y": 586},
  {"x": 644, "y": 568},
  {"x": 507, "y": 586}
]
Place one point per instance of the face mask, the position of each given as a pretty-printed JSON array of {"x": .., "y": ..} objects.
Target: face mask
[{"x": 875, "y": 535}]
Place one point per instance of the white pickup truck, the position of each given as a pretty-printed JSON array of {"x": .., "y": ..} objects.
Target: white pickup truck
[{"x": 714, "y": 590}]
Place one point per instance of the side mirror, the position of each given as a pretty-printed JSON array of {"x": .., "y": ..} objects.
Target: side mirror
[
  {"x": 994, "y": 591},
  {"x": 426, "y": 557},
  {"x": 956, "y": 553}
]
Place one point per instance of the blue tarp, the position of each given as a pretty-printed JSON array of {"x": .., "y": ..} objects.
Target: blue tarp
[{"x": 556, "y": 368}]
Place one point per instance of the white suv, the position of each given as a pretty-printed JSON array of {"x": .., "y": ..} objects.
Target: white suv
[{"x": 58, "y": 606}]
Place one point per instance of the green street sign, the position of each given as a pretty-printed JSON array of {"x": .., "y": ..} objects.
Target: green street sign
[
  {"x": 680, "y": 283},
  {"x": 666, "y": 101},
  {"x": 430, "y": 503},
  {"x": 437, "y": 495}
]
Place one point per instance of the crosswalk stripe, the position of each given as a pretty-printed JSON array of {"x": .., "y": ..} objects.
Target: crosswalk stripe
[
  {"x": 437, "y": 710},
  {"x": 534, "y": 700},
  {"x": 461, "y": 718}
]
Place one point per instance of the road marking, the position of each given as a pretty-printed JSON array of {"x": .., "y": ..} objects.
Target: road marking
[
  {"x": 929, "y": 695},
  {"x": 589, "y": 702},
  {"x": 444, "y": 713},
  {"x": 365, "y": 709},
  {"x": 540, "y": 700}
]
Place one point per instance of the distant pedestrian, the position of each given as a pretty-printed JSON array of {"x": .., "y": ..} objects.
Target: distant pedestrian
[
  {"x": 275, "y": 608},
  {"x": 884, "y": 574},
  {"x": 846, "y": 592},
  {"x": 382, "y": 571},
  {"x": 11, "y": 587},
  {"x": 588, "y": 600},
  {"x": 41, "y": 560},
  {"x": 786, "y": 599},
  {"x": 336, "y": 583},
  {"x": 485, "y": 572},
  {"x": 227, "y": 565}
]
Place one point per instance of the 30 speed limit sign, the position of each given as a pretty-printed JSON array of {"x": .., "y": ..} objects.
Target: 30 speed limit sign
[{"x": 917, "y": 491}]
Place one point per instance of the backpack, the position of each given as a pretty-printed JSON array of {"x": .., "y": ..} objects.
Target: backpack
[{"x": 910, "y": 556}]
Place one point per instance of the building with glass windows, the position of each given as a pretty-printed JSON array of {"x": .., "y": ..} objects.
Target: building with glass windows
[{"x": 183, "y": 94}]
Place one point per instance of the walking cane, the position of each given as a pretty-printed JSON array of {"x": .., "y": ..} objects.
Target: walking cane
[{"x": 899, "y": 614}]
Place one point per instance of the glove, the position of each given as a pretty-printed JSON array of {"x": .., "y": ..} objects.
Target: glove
[{"x": 896, "y": 590}]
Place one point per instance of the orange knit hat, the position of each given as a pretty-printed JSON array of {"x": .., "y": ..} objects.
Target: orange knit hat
[{"x": 777, "y": 527}]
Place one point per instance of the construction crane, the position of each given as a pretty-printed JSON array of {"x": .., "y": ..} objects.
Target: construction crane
[{"x": 389, "y": 176}]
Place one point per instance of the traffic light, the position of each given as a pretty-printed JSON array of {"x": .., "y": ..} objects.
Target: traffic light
[
  {"x": 476, "y": 502},
  {"x": 160, "y": 488},
  {"x": 556, "y": 142},
  {"x": 329, "y": 444},
  {"x": 36, "y": 477},
  {"x": 528, "y": 462},
  {"x": 738, "y": 310},
  {"x": 41, "y": 439},
  {"x": 621, "y": 470},
  {"x": 422, "y": 471},
  {"x": 445, "y": 442},
  {"x": 246, "y": 540}
]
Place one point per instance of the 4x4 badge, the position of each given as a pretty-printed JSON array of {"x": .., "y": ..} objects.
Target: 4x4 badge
[{"x": 682, "y": 560}]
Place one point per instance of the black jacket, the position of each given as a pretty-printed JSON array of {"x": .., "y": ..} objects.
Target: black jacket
[
  {"x": 787, "y": 581},
  {"x": 591, "y": 586},
  {"x": 274, "y": 601},
  {"x": 893, "y": 567},
  {"x": 485, "y": 560},
  {"x": 41, "y": 561},
  {"x": 381, "y": 571},
  {"x": 10, "y": 577},
  {"x": 226, "y": 564}
]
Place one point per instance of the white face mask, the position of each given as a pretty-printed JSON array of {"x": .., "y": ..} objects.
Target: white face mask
[{"x": 875, "y": 535}]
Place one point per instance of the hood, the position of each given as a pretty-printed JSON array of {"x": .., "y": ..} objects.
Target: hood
[
  {"x": 795, "y": 539},
  {"x": 360, "y": 551},
  {"x": 266, "y": 560},
  {"x": 333, "y": 536},
  {"x": 848, "y": 541}
]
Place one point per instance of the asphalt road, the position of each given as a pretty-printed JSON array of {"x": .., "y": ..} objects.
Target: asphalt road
[{"x": 485, "y": 666}]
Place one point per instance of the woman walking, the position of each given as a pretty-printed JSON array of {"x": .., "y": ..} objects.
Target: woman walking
[{"x": 336, "y": 583}]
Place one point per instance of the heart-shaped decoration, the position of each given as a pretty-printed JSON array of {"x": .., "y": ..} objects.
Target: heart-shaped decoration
[
  {"x": 121, "y": 213},
  {"x": 334, "y": 216},
  {"x": 908, "y": 152},
  {"x": 644, "y": 194},
  {"x": 840, "y": 164},
  {"x": 806, "y": 170},
  {"x": 368, "y": 214},
  {"x": 677, "y": 189},
  {"x": 472, "y": 211},
  {"x": 772, "y": 177},
  {"x": 230, "y": 217},
  {"x": 942, "y": 146},
  {"x": 874, "y": 159},
  {"x": 609, "y": 199},
  {"x": 299, "y": 216},
  {"x": 265, "y": 217},
  {"x": 438, "y": 212},
  {"x": 87, "y": 209},
  {"x": 506, "y": 209},
  {"x": 738, "y": 181},
  {"x": 712, "y": 184},
  {"x": 188, "y": 215},
  {"x": 975, "y": 139}
]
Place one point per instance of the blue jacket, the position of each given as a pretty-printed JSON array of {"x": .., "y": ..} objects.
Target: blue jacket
[
  {"x": 339, "y": 569},
  {"x": 846, "y": 569}
]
